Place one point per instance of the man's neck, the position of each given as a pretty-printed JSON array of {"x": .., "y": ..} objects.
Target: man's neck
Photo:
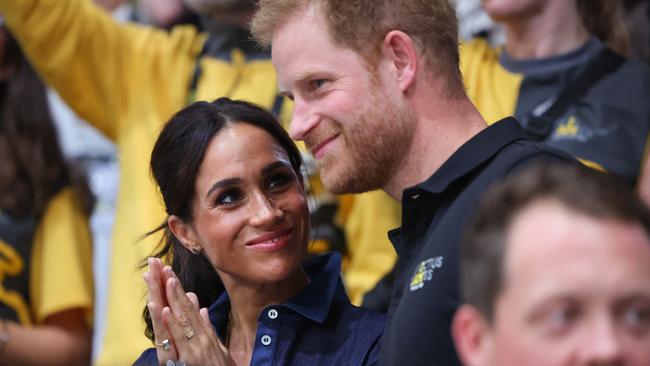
[
  {"x": 554, "y": 30},
  {"x": 441, "y": 129}
]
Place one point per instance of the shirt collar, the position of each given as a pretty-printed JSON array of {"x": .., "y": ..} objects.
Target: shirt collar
[
  {"x": 472, "y": 154},
  {"x": 324, "y": 288},
  {"x": 552, "y": 64},
  {"x": 313, "y": 302}
]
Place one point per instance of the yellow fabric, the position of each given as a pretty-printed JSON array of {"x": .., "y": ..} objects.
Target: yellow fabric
[
  {"x": 367, "y": 219},
  {"x": 491, "y": 88},
  {"x": 61, "y": 270}
]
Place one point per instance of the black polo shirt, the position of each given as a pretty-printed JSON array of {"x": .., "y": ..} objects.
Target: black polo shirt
[{"x": 434, "y": 213}]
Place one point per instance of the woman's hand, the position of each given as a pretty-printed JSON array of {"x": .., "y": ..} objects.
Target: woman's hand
[
  {"x": 157, "y": 300},
  {"x": 182, "y": 331}
]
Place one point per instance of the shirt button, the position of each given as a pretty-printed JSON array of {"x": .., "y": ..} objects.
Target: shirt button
[
  {"x": 266, "y": 340},
  {"x": 272, "y": 313}
]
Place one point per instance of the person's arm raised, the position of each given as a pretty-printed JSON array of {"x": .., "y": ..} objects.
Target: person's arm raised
[{"x": 100, "y": 67}]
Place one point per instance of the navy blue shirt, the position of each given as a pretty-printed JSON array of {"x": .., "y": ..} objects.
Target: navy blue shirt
[
  {"x": 319, "y": 326},
  {"x": 426, "y": 288}
]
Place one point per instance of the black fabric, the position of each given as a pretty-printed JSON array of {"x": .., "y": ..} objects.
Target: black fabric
[
  {"x": 434, "y": 214},
  {"x": 540, "y": 121},
  {"x": 607, "y": 125},
  {"x": 16, "y": 236}
]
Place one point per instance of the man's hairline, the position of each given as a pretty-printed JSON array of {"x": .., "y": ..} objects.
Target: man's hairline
[{"x": 543, "y": 199}]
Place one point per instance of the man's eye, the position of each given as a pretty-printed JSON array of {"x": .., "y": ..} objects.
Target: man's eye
[
  {"x": 317, "y": 83},
  {"x": 560, "y": 318},
  {"x": 229, "y": 197},
  {"x": 637, "y": 318}
]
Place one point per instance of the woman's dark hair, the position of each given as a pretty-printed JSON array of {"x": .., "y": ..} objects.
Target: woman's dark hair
[
  {"x": 175, "y": 161},
  {"x": 32, "y": 167}
]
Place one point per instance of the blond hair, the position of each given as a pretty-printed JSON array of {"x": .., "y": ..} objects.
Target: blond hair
[{"x": 361, "y": 25}]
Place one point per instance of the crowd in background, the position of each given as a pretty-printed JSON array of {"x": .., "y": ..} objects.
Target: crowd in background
[{"x": 86, "y": 89}]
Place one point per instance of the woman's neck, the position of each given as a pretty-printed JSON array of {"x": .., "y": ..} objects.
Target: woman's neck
[
  {"x": 246, "y": 303},
  {"x": 554, "y": 30}
]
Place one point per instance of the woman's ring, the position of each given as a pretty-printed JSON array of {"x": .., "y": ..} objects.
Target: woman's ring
[
  {"x": 189, "y": 334},
  {"x": 166, "y": 345}
]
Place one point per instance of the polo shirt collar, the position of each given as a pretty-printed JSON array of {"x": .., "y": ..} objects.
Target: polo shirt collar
[
  {"x": 313, "y": 302},
  {"x": 480, "y": 148}
]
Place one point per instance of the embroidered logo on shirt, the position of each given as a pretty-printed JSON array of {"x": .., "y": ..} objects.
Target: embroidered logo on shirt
[
  {"x": 575, "y": 130},
  {"x": 424, "y": 272},
  {"x": 568, "y": 129}
]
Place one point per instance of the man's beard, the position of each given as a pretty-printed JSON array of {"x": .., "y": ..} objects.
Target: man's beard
[
  {"x": 210, "y": 7},
  {"x": 375, "y": 142}
]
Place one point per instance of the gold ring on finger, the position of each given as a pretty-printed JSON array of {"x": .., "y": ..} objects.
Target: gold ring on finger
[{"x": 189, "y": 334}]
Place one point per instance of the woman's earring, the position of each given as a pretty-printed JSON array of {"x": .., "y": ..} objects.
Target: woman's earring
[{"x": 195, "y": 250}]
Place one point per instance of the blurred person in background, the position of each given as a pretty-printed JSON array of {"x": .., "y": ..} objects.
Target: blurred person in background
[
  {"x": 126, "y": 80},
  {"x": 562, "y": 74},
  {"x": 555, "y": 271},
  {"x": 46, "y": 283},
  {"x": 637, "y": 22},
  {"x": 164, "y": 13}
]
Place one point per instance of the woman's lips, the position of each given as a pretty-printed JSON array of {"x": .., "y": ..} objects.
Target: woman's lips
[{"x": 272, "y": 241}]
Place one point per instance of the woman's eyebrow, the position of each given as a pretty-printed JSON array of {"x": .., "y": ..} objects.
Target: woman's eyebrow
[
  {"x": 221, "y": 184},
  {"x": 273, "y": 166}
]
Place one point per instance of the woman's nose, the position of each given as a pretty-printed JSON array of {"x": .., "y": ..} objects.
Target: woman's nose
[{"x": 264, "y": 211}]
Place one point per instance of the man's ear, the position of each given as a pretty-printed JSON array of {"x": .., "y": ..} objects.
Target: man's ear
[
  {"x": 401, "y": 53},
  {"x": 184, "y": 233},
  {"x": 471, "y": 334}
]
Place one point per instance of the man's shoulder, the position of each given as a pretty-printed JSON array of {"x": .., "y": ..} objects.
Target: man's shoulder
[{"x": 522, "y": 153}]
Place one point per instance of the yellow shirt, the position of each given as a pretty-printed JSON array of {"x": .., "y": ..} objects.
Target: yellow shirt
[{"x": 60, "y": 264}]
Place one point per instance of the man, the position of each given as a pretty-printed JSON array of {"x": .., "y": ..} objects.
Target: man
[
  {"x": 379, "y": 101},
  {"x": 556, "y": 271}
]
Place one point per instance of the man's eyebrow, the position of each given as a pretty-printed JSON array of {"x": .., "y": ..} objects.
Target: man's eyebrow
[{"x": 221, "y": 184}]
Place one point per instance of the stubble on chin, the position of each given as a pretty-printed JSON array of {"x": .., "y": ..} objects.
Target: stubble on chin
[{"x": 372, "y": 149}]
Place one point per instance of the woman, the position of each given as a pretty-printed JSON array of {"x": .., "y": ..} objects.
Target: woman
[
  {"x": 238, "y": 219},
  {"x": 46, "y": 287}
]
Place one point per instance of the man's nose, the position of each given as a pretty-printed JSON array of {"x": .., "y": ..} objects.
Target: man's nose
[
  {"x": 603, "y": 348},
  {"x": 303, "y": 120}
]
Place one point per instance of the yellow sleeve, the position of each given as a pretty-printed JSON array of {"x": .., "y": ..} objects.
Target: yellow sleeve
[
  {"x": 493, "y": 90},
  {"x": 99, "y": 66},
  {"x": 61, "y": 271},
  {"x": 366, "y": 220}
]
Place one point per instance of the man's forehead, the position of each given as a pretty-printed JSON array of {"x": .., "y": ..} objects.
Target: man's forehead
[{"x": 548, "y": 232}]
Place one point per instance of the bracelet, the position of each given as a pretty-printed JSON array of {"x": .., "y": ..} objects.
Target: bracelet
[{"x": 5, "y": 336}]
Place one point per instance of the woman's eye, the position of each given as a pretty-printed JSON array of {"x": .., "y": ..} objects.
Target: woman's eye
[
  {"x": 279, "y": 180},
  {"x": 229, "y": 197}
]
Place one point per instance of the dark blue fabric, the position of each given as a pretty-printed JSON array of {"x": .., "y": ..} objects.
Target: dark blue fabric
[
  {"x": 434, "y": 214},
  {"x": 319, "y": 326}
]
